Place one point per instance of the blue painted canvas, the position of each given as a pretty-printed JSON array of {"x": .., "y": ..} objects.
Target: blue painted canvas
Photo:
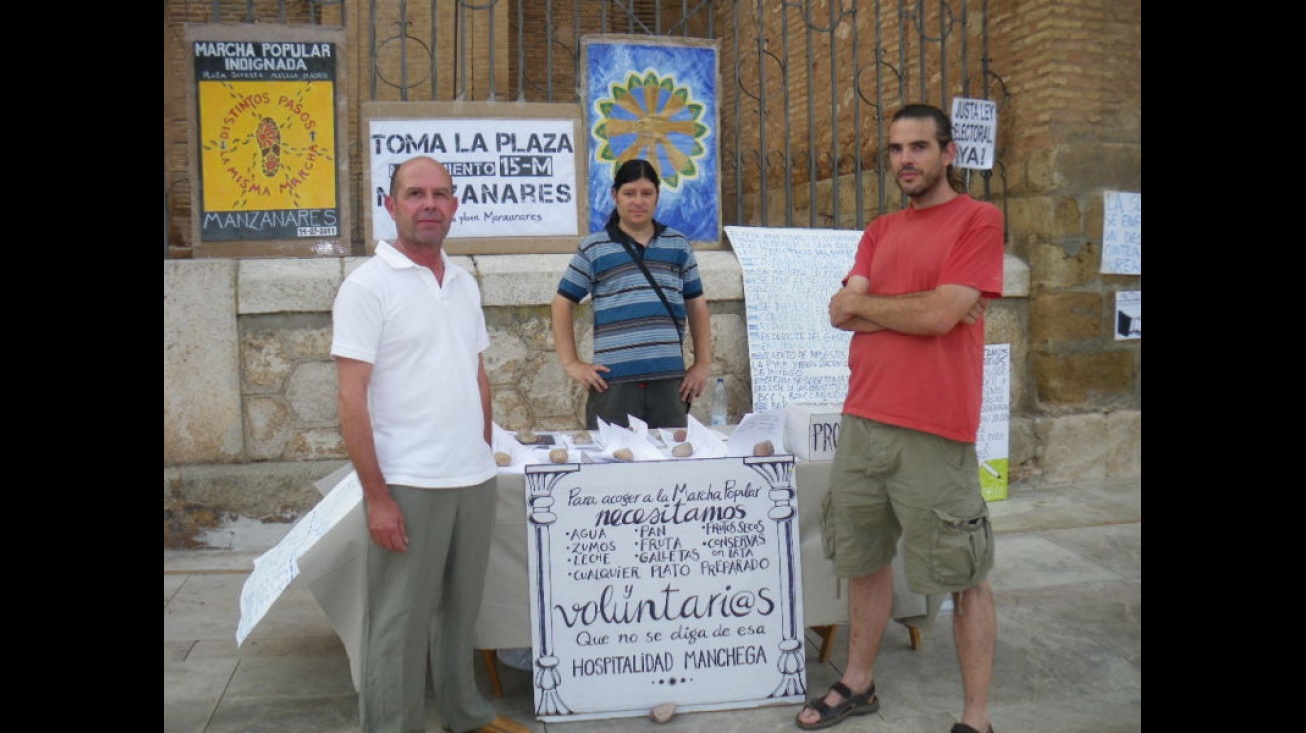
[{"x": 657, "y": 102}]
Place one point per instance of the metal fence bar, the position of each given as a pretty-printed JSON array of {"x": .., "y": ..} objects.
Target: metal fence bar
[
  {"x": 771, "y": 140},
  {"x": 835, "y": 18}
]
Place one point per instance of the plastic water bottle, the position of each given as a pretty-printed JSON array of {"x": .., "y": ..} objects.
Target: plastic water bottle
[{"x": 718, "y": 414}]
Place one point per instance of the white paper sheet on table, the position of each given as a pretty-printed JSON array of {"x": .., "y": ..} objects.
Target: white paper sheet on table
[
  {"x": 504, "y": 441},
  {"x": 755, "y": 428},
  {"x": 637, "y": 426},
  {"x": 707, "y": 442},
  {"x": 614, "y": 438}
]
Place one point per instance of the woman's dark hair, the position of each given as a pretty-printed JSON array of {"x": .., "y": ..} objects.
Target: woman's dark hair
[
  {"x": 942, "y": 133},
  {"x": 636, "y": 169}
]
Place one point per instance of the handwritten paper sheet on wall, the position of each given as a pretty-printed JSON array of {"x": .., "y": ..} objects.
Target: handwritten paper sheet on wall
[
  {"x": 1122, "y": 233},
  {"x": 992, "y": 444},
  {"x": 789, "y": 276}
]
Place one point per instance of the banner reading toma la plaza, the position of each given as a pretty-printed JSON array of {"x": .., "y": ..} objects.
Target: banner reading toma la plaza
[{"x": 512, "y": 177}]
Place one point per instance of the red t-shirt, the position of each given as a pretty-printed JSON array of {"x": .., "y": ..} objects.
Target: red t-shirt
[{"x": 928, "y": 383}]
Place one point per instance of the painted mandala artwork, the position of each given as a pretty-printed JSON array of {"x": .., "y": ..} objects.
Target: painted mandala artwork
[
  {"x": 657, "y": 102},
  {"x": 650, "y": 117}
]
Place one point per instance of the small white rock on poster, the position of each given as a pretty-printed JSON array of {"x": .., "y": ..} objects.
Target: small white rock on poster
[{"x": 664, "y": 581}]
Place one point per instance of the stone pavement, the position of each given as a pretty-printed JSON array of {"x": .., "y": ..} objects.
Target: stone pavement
[{"x": 1068, "y": 583}]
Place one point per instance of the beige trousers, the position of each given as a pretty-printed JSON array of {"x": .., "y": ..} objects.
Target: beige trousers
[{"x": 424, "y": 602}]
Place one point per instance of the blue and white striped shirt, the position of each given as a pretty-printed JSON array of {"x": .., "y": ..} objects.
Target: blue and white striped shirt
[{"x": 634, "y": 336}]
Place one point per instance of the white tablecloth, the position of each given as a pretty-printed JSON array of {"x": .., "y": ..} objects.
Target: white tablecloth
[{"x": 333, "y": 569}]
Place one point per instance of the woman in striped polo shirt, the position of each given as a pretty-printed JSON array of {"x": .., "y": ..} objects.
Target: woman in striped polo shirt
[{"x": 639, "y": 367}]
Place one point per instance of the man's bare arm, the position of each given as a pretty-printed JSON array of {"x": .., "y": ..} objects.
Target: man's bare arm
[
  {"x": 385, "y": 521},
  {"x": 564, "y": 342},
  {"x": 931, "y": 312},
  {"x": 700, "y": 331},
  {"x": 487, "y": 404},
  {"x": 847, "y": 321}
]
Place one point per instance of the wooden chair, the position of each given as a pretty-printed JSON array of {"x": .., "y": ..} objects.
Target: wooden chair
[
  {"x": 830, "y": 632},
  {"x": 492, "y": 667}
]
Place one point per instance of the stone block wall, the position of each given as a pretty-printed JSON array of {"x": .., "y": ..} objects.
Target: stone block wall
[{"x": 250, "y": 417}]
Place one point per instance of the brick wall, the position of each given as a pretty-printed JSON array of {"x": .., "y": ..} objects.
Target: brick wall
[{"x": 1074, "y": 75}]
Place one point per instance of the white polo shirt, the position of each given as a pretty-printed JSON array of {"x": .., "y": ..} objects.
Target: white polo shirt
[{"x": 423, "y": 341}]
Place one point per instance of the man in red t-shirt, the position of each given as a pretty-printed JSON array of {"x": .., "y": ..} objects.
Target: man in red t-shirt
[{"x": 906, "y": 465}]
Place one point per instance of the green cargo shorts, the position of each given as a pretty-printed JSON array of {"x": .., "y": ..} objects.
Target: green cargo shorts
[{"x": 889, "y": 482}]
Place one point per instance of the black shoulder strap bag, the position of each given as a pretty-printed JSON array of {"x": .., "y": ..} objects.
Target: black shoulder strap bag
[
  {"x": 639, "y": 260},
  {"x": 620, "y": 236}
]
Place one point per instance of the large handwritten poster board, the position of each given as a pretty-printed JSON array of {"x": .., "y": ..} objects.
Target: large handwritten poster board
[
  {"x": 794, "y": 355},
  {"x": 677, "y": 583}
]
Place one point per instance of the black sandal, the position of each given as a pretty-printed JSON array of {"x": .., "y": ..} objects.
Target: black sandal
[{"x": 860, "y": 704}]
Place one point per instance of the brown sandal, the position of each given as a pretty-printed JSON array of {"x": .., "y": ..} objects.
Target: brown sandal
[{"x": 859, "y": 704}]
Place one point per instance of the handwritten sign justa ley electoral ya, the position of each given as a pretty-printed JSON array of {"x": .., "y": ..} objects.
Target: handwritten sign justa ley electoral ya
[{"x": 664, "y": 581}]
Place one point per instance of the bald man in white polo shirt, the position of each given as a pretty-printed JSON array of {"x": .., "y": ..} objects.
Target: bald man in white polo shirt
[{"x": 415, "y": 413}]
